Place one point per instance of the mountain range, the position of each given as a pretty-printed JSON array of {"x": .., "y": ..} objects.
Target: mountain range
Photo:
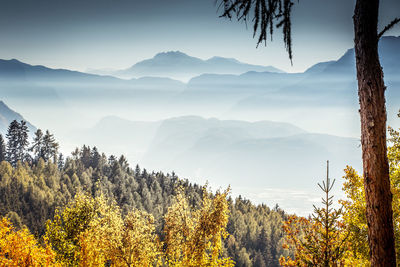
[
  {"x": 325, "y": 90},
  {"x": 271, "y": 130},
  {"x": 253, "y": 157},
  {"x": 180, "y": 66}
]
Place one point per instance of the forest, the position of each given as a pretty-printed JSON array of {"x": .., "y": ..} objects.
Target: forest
[
  {"x": 89, "y": 209},
  {"x": 38, "y": 186},
  {"x": 136, "y": 86}
]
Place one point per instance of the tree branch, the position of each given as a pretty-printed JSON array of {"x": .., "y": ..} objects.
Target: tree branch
[
  {"x": 388, "y": 27},
  {"x": 265, "y": 15}
]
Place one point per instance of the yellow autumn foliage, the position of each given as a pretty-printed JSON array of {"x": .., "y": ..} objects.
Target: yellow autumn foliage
[
  {"x": 20, "y": 248},
  {"x": 354, "y": 206},
  {"x": 194, "y": 237},
  {"x": 65, "y": 229},
  {"x": 128, "y": 242},
  {"x": 93, "y": 232}
]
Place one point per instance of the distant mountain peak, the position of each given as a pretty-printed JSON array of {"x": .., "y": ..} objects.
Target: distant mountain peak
[
  {"x": 216, "y": 58},
  {"x": 170, "y": 54},
  {"x": 391, "y": 37}
]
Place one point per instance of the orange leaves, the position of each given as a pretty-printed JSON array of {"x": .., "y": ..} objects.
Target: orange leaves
[
  {"x": 20, "y": 248},
  {"x": 320, "y": 240},
  {"x": 295, "y": 228}
]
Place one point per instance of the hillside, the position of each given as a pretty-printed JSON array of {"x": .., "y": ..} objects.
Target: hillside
[
  {"x": 255, "y": 230},
  {"x": 223, "y": 151},
  {"x": 7, "y": 115}
]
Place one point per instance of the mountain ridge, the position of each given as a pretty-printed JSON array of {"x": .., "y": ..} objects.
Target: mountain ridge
[
  {"x": 181, "y": 66},
  {"x": 7, "y": 115}
]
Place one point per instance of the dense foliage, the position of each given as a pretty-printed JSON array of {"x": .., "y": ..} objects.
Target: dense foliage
[
  {"x": 92, "y": 232},
  {"x": 355, "y": 207},
  {"x": 20, "y": 248},
  {"x": 322, "y": 239},
  {"x": 39, "y": 188},
  {"x": 347, "y": 226}
]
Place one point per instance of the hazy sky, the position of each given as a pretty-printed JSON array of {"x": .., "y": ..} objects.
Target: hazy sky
[{"x": 81, "y": 34}]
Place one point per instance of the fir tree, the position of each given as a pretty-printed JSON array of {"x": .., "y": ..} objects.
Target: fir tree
[
  {"x": 86, "y": 156},
  {"x": 331, "y": 238},
  {"x": 2, "y": 149},
  {"x": 22, "y": 140},
  {"x": 12, "y": 143},
  {"x": 50, "y": 147},
  {"x": 61, "y": 162},
  {"x": 37, "y": 146},
  {"x": 321, "y": 240},
  {"x": 95, "y": 157},
  {"x": 111, "y": 160}
]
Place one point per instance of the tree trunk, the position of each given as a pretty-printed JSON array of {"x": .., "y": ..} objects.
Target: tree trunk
[{"x": 371, "y": 91}]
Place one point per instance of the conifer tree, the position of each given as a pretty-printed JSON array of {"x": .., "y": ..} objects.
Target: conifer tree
[
  {"x": 12, "y": 143},
  {"x": 321, "y": 240},
  {"x": 60, "y": 162},
  {"x": 2, "y": 149},
  {"x": 371, "y": 93},
  {"x": 50, "y": 147},
  {"x": 111, "y": 160},
  {"x": 95, "y": 157},
  {"x": 85, "y": 155},
  {"x": 22, "y": 141},
  {"x": 37, "y": 146}
]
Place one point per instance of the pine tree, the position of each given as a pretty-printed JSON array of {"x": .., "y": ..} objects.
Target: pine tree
[
  {"x": 95, "y": 157},
  {"x": 22, "y": 141},
  {"x": 85, "y": 155},
  {"x": 2, "y": 149},
  {"x": 371, "y": 93},
  {"x": 12, "y": 143},
  {"x": 37, "y": 146},
  {"x": 320, "y": 241},
  {"x": 50, "y": 147},
  {"x": 61, "y": 162},
  {"x": 111, "y": 160},
  {"x": 332, "y": 239}
]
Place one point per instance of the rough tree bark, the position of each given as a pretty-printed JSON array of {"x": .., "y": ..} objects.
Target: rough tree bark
[{"x": 371, "y": 91}]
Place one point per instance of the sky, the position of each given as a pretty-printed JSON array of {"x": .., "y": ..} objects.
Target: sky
[{"x": 87, "y": 34}]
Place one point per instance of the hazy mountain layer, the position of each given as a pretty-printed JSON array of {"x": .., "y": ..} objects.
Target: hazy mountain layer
[
  {"x": 323, "y": 100},
  {"x": 178, "y": 65},
  {"x": 259, "y": 159}
]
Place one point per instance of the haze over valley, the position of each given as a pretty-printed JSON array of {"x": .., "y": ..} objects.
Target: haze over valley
[{"x": 266, "y": 132}]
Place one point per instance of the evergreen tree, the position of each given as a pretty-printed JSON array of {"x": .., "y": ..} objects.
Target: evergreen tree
[
  {"x": 33, "y": 193},
  {"x": 22, "y": 141},
  {"x": 320, "y": 241},
  {"x": 86, "y": 156},
  {"x": 60, "y": 162},
  {"x": 111, "y": 159},
  {"x": 2, "y": 149},
  {"x": 267, "y": 14},
  {"x": 95, "y": 157},
  {"x": 12, "y": 143},
  {"x": 50, "y": 147},
  {"x": 37, "y": 146}
]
